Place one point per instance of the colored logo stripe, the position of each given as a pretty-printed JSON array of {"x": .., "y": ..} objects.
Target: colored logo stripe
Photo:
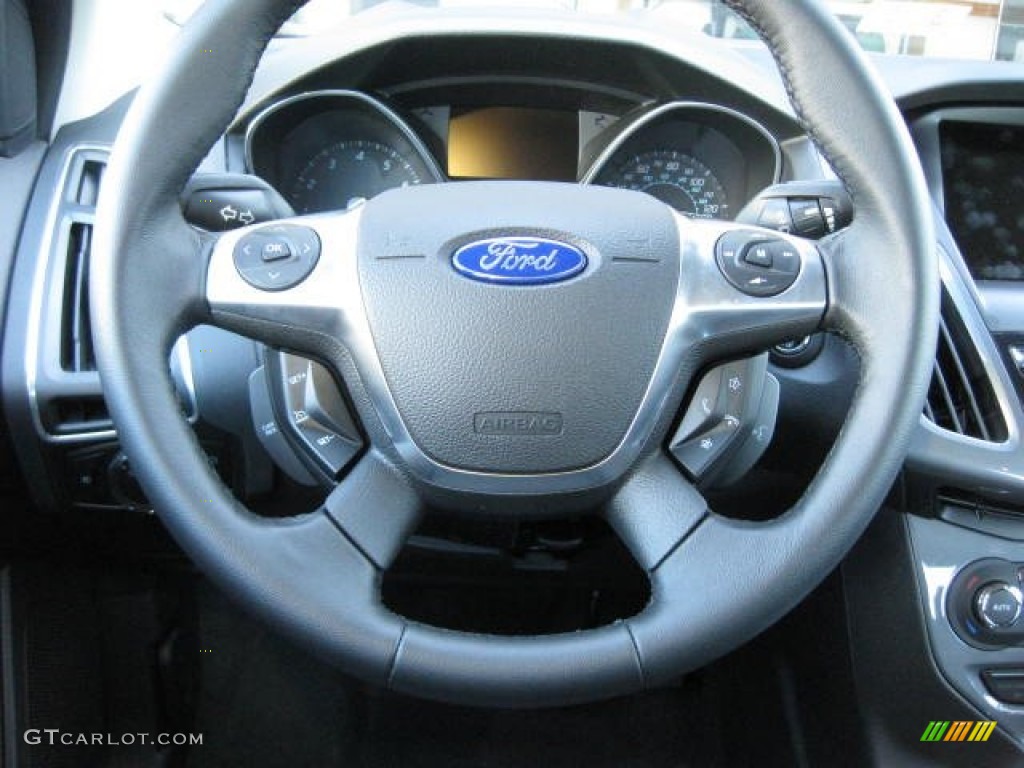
[
  {"x": 958, "y": 730},
  {"x": 982, "y": 731}
]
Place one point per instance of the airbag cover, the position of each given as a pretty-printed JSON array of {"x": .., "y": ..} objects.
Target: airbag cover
[{"x": 522, "y": 376}]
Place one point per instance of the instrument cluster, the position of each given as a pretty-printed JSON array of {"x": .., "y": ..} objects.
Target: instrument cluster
[{"x": 329, "y": 150}]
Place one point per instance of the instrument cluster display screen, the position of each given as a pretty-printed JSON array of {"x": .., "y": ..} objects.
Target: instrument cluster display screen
[
  {"x": 983, "y": 187},
  {"x": 513, "y": 143}
]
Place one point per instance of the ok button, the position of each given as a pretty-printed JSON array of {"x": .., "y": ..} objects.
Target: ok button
[{"x": 277, "y": 249}]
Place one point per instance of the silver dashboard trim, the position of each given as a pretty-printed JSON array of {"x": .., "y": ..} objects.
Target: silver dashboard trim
[
  {"x": 1001, "y": 305},
  {"x": 364, "y": 99},
  {"x": 42, "y": 283},
  {"x": 995, "y": 469},
  {"x": 182, "y": 355}
]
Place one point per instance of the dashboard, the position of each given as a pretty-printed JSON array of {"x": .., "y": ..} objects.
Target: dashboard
[{"x": 328, "y": 150}]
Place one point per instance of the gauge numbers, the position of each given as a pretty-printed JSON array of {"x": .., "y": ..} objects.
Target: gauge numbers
[
  {"x": 675, "y": 178},
  {"x": 348, "y": 171}
]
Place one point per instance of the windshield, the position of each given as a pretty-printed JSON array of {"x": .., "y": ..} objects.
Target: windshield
[{"x": 963, "y": 29}]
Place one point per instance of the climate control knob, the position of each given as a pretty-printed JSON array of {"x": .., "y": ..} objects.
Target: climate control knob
[{"x": 998, "y": 605}]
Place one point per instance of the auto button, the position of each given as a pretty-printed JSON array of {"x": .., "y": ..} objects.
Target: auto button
[{"x": 998, "y": 605}]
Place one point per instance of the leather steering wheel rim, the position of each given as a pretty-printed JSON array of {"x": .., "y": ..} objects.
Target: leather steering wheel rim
[{"x": 715, "y": 582}]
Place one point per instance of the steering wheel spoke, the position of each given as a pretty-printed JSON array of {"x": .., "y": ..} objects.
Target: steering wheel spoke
[
  {"x": 854, "y": 260},
  {"x": 655, "y": 510},
  {"x": 744, "y": 289},
  {"x": 290, "y": 284},
  {"x": 376, "y": 509}
]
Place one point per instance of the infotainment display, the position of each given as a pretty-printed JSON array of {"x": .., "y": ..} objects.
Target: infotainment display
[{"x": 983, "y": 187}]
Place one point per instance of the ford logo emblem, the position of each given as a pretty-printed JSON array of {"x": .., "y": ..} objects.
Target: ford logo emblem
[{"x": 519, "y": 260}]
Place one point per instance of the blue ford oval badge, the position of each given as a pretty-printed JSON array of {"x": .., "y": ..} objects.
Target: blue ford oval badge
[{"x": 519, "y": 260}]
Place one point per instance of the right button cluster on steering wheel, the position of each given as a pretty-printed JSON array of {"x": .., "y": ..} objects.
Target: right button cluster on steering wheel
[{"x": 757, "y": 263}]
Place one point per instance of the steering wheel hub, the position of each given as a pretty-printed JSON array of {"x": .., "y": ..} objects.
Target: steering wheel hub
[{"x": 515, "y": 378}]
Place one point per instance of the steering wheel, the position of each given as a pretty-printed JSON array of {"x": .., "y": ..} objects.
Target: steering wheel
[{"x": 582, "y": 328}]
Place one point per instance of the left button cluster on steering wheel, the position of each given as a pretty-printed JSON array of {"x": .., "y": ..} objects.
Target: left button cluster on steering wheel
[{"x": 278, "y": 257}]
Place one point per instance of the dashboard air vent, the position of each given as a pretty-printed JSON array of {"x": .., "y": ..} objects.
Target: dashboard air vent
[
  {"x": 77, "y": 415},
  {"x": 89, "y": 183},
  {"x": 961, "y": 398},
  {"x": 70, "y": 400},
  {"x": 76, "y": 350}
]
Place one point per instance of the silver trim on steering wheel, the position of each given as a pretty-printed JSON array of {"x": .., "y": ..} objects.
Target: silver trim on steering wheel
[{"x": 706, "y": 306}]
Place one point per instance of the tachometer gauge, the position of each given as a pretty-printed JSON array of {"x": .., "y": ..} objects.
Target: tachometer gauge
[
  {"x": 347, "y": 171},
  {"x": 675, "y": 178}
]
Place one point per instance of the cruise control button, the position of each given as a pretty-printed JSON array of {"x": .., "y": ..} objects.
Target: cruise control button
[
  {"x": 315, "y": 412},
  {"x": 1017, "y": 355},
  {"x": 333, "y": 450},
  {"x": 325, "y": 403},
  {"x": 295, "y": 372},
  {"x": 829, "y": 211},
  {"x": 269, "y": 432}
]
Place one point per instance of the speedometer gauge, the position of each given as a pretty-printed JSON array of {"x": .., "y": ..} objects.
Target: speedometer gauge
[
  {"x": 347, "y": 171},
  {"x": 675, "y": 178}
]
